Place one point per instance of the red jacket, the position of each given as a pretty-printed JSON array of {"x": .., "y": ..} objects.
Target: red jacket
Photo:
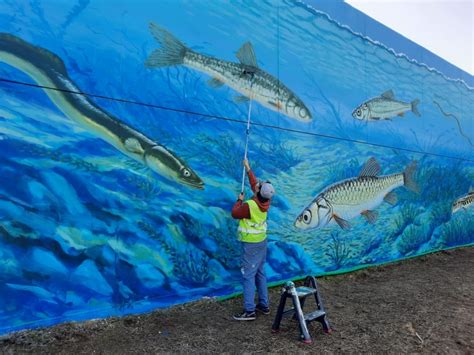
[{"x": 241, "y": 210}]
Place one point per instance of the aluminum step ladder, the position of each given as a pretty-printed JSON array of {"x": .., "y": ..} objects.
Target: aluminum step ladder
[{"x": 298, "y": 296}]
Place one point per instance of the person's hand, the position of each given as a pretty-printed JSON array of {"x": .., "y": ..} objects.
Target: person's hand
[
  {"x": 246, "y": 164},
  {"x": 241, "y": 196}
]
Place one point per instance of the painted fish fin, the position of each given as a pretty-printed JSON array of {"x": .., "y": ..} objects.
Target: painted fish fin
[
  {"x": 371, "y": 168},
  {"x": 371, "y": 216},
  {"x": 240, "y": 99},
  {"x": 414, "y": 107},
  {"x": 408, "y": 179},
  {"x": 341, "y": 222},
  {"x": 246, "y": 55},
  {"x": 391, "y": 198},
  {"x": 388, "y": 95},
  {"x": 276, "y": 104},
  {"x": 215, "y": 83},
  {"x": 134, "y": 146},
  {"x": 171, "y": 52}
]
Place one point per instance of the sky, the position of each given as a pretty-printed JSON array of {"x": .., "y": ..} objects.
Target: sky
[{"x": 444, "y": 27}]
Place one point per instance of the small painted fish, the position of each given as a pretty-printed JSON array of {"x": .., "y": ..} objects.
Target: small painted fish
[
  {"x": 349, "y": 198},
  {"x": 464, "y": 202},
  {"x": 384, "y": 107},
  {"x": 245, "y": 77}
]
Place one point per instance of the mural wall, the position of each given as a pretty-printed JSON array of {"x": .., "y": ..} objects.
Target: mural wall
[{"x": 122, "y": 132}]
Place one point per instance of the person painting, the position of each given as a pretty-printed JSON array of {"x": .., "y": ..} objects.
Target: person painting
[{"x": 252, "y": 234}]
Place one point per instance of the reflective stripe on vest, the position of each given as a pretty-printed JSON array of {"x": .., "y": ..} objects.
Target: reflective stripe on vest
[{"x": 253, "y": 230}]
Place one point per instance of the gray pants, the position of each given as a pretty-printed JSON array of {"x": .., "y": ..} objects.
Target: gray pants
[{"x": 253, "y": 259}]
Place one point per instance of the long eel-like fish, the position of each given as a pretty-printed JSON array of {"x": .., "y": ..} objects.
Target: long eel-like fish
[{"x": 49, "y": 71}]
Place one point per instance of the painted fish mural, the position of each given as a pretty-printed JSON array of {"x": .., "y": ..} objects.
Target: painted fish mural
[
  {"x": 384, "y": 107},
  {"x": 81, "y": 240},
  {"x": 464, "y": 202},
  {"x": 349, "y": 198},
  {"x": 48, "y": 70},
  {"x": 245, "y": 77}
]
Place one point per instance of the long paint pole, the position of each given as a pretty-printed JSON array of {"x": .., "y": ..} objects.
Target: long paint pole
[{"x": 246, "y": 143}]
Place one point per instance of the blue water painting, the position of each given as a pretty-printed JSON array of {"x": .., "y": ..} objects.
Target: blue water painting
[{"x": 122, "y": 134}]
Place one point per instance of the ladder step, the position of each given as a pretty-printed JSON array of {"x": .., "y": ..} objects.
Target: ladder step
[
  {"x": 314, "y": 315},
  {"x": 288, "y": 312},
  {"x": 304, "y": 291}
]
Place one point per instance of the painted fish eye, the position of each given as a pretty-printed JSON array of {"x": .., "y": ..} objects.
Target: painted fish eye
[
  {"x": 303, "y": 113},
  {"x": 358, "y": 112},
  {"x": 186, "y": 173},
  {"x": 307, "y": 216}
]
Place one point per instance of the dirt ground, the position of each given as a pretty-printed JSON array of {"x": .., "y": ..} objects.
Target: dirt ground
[{"x": 422, "y": 305}]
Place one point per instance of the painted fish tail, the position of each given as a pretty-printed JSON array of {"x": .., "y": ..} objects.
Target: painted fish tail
[
  {"x": 414, "y": 107},
  {"x": 171, "y": 52},
  {"x": 408, "y": 178}
]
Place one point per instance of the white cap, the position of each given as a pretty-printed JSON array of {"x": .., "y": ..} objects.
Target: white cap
[{"x": 267, "y": 190}]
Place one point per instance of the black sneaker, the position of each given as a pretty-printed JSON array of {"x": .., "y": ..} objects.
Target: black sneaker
[
  {"x": 262, "y": 309},
  {"x": 245, "y": 316}
]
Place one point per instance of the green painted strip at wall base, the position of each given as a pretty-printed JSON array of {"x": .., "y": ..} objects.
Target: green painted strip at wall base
[{"x": 345, "y": 271}]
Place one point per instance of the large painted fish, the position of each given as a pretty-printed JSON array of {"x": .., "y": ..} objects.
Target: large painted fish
[
  {"x": 49, "y": 71},
  {"x": 349, "y": 198},
  {"x": 464, "y": 202},
  {"x": 384, "y": 107},
  {"x": 245, "y": 77}
]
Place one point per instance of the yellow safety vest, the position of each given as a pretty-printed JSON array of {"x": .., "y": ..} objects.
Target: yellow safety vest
[{"x": 253, "y": 230}]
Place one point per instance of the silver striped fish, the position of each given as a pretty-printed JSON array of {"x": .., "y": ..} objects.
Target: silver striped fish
[
  {"x": 245, "y": 77},
  {"x": 352, "y": 197},
  {"x": 464, "y": 202},
  {"x": 384, "y": 107}
]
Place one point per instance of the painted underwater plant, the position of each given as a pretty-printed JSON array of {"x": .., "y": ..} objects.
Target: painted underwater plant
[
  {"x": 458, "y": 231},
  {"x": 245, "y": 77},
  {"x": 349, "y": 198},
  {"x": 49, "y": 71},
  {"x": 338, "y": 251},
  {"x": 412, "y": 238},
  {"x": 385, "y": 107}
]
